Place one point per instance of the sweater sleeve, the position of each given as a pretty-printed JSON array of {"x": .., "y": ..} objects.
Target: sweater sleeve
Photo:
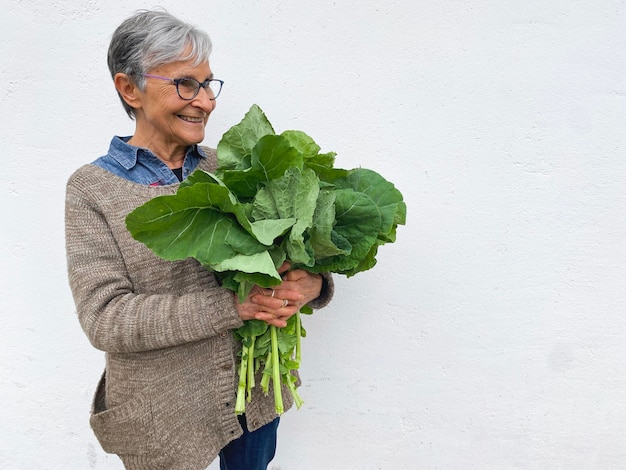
[
  {"x": 328, "y": 290},
  {"x": 180, "y": 302}
]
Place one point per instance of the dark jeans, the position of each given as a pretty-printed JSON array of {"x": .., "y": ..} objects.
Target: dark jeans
[{"x": 253, "y": 450}]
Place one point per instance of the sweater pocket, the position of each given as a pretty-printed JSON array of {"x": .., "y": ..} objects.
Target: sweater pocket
[{"x": 122, "y": 429}]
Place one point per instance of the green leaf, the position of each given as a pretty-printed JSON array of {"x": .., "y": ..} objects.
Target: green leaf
[
  {"x": 187, "y": 224},
  {"x": 327, "y": 175},
  {"x": 286, "y": 342},
  {"x": 259, "y": 263},
  {"x": 273, "y": 155},
  {"x": 244, "y": 183},
  {"x": 234, "y": 150},
  {"x": 325, "y": 160},
  {"x": 358, "y": 222},
  {"x": 293, "y": 196},
  {"x": 252, "y": 328},
  {"x": 200, "y": 176},
  {"x": 309, "y": 150},
  {"x": 305, "y": 144},
  {"x": 321, "y": 233},
  {"x": 367, "y": 262},
  {"x": 384, "y": 194},
  {"x": 243, "y": 282},
  {"x": 305, "y": 309},
  {"x": 220, "y": 197},
  {"x": 266, "y": 231}
]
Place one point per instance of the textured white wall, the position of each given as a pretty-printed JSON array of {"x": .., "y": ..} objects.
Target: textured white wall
[{"x": 490, "y": 336}]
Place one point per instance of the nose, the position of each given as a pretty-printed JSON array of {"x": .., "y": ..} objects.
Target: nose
[{"x": 203, "y": 100}]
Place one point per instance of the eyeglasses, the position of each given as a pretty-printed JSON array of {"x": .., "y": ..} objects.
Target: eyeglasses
[{"x": 188, "y": 88}]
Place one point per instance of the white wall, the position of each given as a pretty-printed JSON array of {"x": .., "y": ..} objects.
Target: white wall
[{"x": 489, "y": 336}]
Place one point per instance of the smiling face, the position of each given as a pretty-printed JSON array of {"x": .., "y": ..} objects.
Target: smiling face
[{"x": 165, "y": 123}]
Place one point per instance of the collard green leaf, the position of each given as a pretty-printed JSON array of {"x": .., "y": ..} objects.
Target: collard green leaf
[
  {"x": 387, "y": 198},
  {"x": 221, "y": 198},
  {"x": 234, "y": 150},
  {"x": 367, "y": 262},
  {"x": 327, "y": 176},
  {"x": 260, "y": 263},
  {"x": 218, "y": 197},
  {"x": 252, "y": 328},
  {"x": 187, "y": 224},
  {"x": 358, "y": 221},
  {"x": 325, "y": 160},
  {"x": 273, "y": 155},
  {"x": 305, "y": 144},
  {"x": 309, "y": 150},
  {"x": 293, "y": 196},
  {"x": 200, "y": 176},
  {"x": 286, "y": 337},
  {"x": 242, "y": 282},
  {"x": 244, "y": 183},
  {"x": 266, "y": 231},
  {"x": 321, "y": 233}
]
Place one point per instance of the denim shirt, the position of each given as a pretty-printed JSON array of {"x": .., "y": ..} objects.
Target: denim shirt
[{"x": 141, "y": 166}]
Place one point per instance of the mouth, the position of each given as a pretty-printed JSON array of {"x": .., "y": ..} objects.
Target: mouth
[{"x": 192, "y": 119}]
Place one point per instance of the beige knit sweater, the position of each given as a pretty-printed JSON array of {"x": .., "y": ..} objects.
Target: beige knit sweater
[{"x": 166, "y": 400}]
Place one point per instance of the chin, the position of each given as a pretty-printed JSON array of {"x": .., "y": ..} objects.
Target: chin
[{"x": 193, "y": 140}]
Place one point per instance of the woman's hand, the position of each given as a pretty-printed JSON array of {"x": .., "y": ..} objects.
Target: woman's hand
[
  {"x": 299, "y": 287},
  {"x": 275, "y": 306}
]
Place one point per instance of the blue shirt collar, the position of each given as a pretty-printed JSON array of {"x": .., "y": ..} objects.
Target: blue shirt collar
[{"x": 127, "y": 155}]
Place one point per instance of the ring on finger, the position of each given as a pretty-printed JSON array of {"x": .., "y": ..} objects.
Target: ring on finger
[
  {"x": 285, "y": 303},
  {"x": 273, "y": 292}
]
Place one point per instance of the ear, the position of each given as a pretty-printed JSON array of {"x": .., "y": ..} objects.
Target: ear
[{"x": 128, "y": 90}]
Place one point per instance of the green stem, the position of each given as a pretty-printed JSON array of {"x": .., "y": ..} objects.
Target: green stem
[
  {"x": 265, "y": 380},
  {"x": 278, "y": 397},
  {"x": 294, "y": 392},
  {"x": 250, "y": 383},
  {"x": 240, "y": 404},
  {"x": 298, "y": 337}
]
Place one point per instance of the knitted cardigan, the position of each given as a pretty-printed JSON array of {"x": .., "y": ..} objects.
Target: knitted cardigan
[{"x": 166, "y": 399}]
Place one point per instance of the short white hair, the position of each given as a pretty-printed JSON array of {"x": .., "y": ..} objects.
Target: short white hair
[{"x": 151, "y": 38}]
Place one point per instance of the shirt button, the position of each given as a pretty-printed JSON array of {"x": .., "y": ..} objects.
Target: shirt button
[{"x": 223, "y": 334}]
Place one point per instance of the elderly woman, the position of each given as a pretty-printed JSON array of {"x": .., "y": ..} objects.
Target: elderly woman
[{"x": 166, "y": 398}]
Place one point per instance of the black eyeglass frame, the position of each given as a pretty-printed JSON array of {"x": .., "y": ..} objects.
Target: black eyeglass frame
[{"x": 177, "y": 81}]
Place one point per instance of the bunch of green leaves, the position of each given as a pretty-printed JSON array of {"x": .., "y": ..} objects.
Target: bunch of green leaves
[{"x": 273, "y": 197}]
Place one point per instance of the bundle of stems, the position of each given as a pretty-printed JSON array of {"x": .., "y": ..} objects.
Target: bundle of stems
[{"x": 276, "y": 352}]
